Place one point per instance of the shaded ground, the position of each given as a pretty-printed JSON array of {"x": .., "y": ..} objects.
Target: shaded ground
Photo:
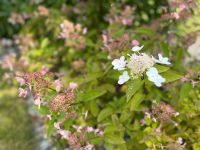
[{"x": 15, "y": 124}]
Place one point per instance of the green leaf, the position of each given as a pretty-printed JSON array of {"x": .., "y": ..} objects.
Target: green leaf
[
  {"x": 104, "y": 114},
  {"x": 115, "y": 119},
  {"x": 124, "y": 116},
  {"x": 35, "y": 53},
  {"x": 44, "y": 43},
  {"x": 122, "y": 146},
  {"x": 109, "y": 87},
  {"x": 43, "y": 110},
  {"x": 171, "y": 76},
  {"x": 145, "y": 31},
  {"x": 114, "y": 139},
  {"x": 161, "y": 68},
  {"x": 136, "y": 101},
  {"x": 94, "y": 108},
  {"x": 110, "y": 129},
  {"x": 165, "y": 48},
  {"x": 185, "y": 90},
  {"x": 90, "y": 95},
  {"x": 90, "y": 77},
  {"x": 96, "y": 140},
  {"x": 50, "y": 129},
  {"x": 133, "y": 87}
]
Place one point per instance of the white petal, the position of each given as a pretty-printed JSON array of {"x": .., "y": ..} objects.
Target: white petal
[
  {"x": 119, "y": 64},
  {"x": 158, "y": 82},
  {"x": 162, "y": 60},
  {"x": 154, "y": 77},
  {"x": 137, "y": 48},
  {"x": 123, "y": 78}
]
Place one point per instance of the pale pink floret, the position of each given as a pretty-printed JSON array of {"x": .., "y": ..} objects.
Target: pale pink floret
[
  {"x": 57, "y": 84},
  {"x": 90, "y": 129},
  {"x": 84, "y": 30},
  {"x": 73, "y": 85},
  {"x": 175, "y": 15},
  {"x": 78, "y": 128},
  {"x": 182, "y": 6},
  {"x": 64, "y": 134},
  {"x": 43, "y": 70},
  {"x": 23, "y": 93},
  {"x": 98, "y": 132},
  {"x": 135, "y": 43},
  {"x": 20, "y": 80},
  {"x": 37, "y": 100}
]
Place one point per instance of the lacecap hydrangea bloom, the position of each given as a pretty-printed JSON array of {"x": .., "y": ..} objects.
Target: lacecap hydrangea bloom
[{"x": 139, "y": 64}]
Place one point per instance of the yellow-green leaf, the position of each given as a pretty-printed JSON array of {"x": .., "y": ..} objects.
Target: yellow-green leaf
[
  {"x": 133, "y": 87},
  {"x": 161, "y": 68},
  {"x": 171, "y": 76},
  {"x": 104, "y": 114},
  {"x": 114, "y": 139}
]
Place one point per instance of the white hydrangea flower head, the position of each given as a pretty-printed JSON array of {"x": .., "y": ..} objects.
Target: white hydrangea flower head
[
  {"x": 138, "y": 64},
  {"x": 137, "y": 48},
  {"x": 119, "y": 64},
  {"x": 123, "y": 78},
  {"x": 154, "y": 77},
  {"x": 162, "y": 60}
]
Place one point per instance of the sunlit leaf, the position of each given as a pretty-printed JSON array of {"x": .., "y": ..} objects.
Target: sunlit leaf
[
  {"x": 133, "y": 87},
  {"x": 104, "y": 114}
]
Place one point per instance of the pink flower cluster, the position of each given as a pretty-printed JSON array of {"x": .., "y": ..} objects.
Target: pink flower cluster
[
  {"x": 72, "y": 138},
  {"x": 88, "y": 130},
  {"x": 125, "y": 17},
  {"x": 73, "y": 34},
  {"x": 182, "y": 8}
]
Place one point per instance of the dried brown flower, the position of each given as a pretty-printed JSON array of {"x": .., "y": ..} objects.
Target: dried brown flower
[
  {"x": 57, "y": 102},
  {"x": 77, "y": 64},
  {"x": 43, "y": 11},
  {"x": 74, "y": 142},
  {"x": 24, "y": 42},
  {"x": 192, "y": 77},
  {"x": 111, "y": 44},
  {"x": 122, "y": 16},
  {"x": 175, "y": 146},
  {"x": 72, "y": 34},
  {"x": 16, "y": 18},
  {"x": 29, "y": 77},
  {"x": 163, "y": 112},
  {"x": 41, "y": 83},
  {"x": 62, "y": 101}
]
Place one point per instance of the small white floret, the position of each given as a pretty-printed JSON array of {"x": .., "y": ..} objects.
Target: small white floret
[
  {"x": 119, "y": 64},
  {"x": 137, "y": 48},
  {"x": 123, "y": 78},
  {"x": 154, "y": 77},
  {"x": 162, "y": 60}
]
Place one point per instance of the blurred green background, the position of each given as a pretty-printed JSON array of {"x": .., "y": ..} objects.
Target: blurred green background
[{"x": 33, "y": 32}]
